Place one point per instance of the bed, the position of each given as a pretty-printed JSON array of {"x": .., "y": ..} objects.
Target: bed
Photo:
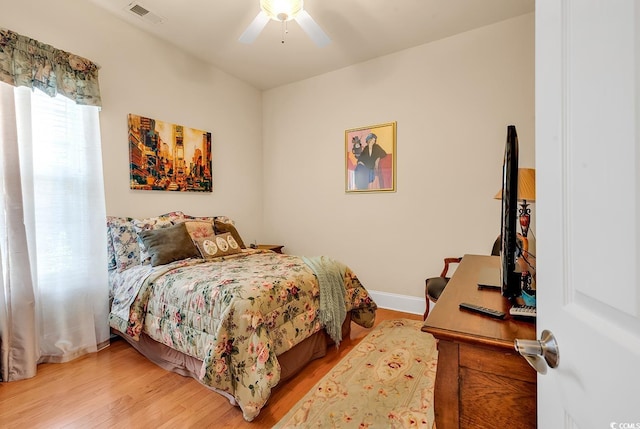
[{"x": 188, "y": 294}]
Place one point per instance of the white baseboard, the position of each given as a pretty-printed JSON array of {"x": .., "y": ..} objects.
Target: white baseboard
[{"x": 392, "y": 301}]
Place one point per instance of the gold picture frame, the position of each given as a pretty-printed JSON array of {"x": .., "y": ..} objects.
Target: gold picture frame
[{"x": 370, "y": 155}]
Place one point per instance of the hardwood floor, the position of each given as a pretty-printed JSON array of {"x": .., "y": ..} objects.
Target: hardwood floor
[{"x": 118, "y": 387}]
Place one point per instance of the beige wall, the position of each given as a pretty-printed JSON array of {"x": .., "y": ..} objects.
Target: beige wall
[
  {"x": 452, "y": 101},
  {"x": 279, "y": 155},
  {"x": 142, "y": 75}
]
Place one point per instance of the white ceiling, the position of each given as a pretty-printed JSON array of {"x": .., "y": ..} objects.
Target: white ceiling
[{"x": 359, "y": 30}]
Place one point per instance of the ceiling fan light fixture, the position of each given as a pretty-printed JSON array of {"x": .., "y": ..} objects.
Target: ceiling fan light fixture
[
  {"x": 281, "y": 10},
  {"x": 284, "y": 11}
]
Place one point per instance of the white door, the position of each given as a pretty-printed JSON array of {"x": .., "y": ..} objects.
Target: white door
[{"x": 588, "y": 210}]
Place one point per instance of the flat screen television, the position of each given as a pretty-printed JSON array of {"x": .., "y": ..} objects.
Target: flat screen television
[{"x": 509, "y": 278}]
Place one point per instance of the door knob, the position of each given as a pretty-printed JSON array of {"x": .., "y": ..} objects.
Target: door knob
[{"x": 535, "y": 350}]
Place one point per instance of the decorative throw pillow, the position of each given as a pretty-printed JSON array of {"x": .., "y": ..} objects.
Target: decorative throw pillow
[
  {"x": 162, "y": 221},
  {"x": 222, "y": 227},
  {"x": 199, "y": 229},
  {"x": 219, "y": 245},
  {"x": 169, "y": 244}
]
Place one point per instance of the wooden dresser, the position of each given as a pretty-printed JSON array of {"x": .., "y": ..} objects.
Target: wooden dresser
[{"x": 481, "y": 381}]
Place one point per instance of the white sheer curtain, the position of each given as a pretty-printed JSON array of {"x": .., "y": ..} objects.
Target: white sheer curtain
[{"x": 54, "y": 300}]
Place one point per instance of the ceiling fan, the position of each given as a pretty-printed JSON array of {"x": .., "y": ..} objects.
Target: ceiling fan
[{"x": 284, "y": 11}]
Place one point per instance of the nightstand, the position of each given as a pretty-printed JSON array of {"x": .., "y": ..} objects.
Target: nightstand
[{"x": 275, "y": 247}]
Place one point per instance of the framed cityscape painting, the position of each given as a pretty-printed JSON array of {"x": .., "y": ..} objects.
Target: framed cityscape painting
[
  {"x": 168, "y": 157},
  {"x": 371, "y": 158}
]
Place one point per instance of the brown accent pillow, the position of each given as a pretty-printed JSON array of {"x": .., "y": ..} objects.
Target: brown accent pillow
[
  {"x": 220, "y": 245},
  {"x": 169, "y": 244},
  {"x": 222, "y": 227}
]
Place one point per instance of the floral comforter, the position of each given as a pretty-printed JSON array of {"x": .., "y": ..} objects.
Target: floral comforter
[{"x": 236, "y": 314}]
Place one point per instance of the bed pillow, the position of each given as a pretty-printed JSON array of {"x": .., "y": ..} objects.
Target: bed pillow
[
  {"x": 125, "y": 242},
  {"x": 200, "y": 218},
  {"x": 221, "y": 227},
  {"x": 112, "y": 263},
  {"x": 217, "y": 246},
  {"x": 169, "y": 244}
]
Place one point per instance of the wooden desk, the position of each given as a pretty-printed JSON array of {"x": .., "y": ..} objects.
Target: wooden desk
[{"x": 481, "y": 381}]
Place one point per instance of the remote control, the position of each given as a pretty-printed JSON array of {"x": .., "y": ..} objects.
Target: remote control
[
  {"x": 482, "y": 310},
  {"x": 523, "y": 311},
  {"x": 489, "y": 287}
]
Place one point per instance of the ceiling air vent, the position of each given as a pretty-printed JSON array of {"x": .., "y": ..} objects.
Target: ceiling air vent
[{"x": 144, "y": 13}]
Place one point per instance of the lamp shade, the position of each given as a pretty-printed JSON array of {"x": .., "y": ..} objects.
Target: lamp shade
[{"x": 526, "y": 185}]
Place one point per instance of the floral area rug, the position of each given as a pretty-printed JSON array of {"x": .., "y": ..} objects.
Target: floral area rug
[{"x": 386, "y": 381}]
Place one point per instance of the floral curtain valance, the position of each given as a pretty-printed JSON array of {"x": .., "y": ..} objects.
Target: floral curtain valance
[{"x": 27, "y": 62}]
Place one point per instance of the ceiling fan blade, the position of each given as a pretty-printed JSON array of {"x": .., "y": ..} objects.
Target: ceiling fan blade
[
  {"x": 312, "y": 29},
  {"x": 255, "y": 28}
]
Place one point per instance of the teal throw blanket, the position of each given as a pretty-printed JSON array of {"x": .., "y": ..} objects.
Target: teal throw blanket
[{"x": 330, "y": 274}]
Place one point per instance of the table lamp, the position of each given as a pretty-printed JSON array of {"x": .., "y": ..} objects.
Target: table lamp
[{"x": 526, "y": 194}]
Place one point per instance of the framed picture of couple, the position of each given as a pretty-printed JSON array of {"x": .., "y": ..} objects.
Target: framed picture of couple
[{"x": 371, "y": 158}]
